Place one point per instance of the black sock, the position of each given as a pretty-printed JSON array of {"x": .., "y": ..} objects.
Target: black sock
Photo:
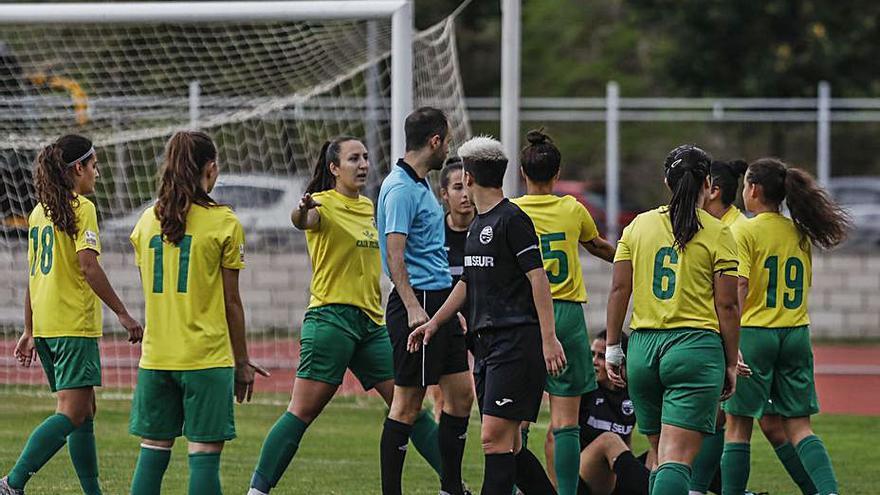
[
  {"x": 715, "y": 486},
  {"x": 499, "y": 474},
  {"x": 632, "y": 475},
  {"x": 531, "y": 478},
  {"x": 392, "y": 452},
  {"x": 583, "y": 489},
  {"x": 453, "y": 432}
]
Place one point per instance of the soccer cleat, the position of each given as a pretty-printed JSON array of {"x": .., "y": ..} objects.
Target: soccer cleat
[
  {"x": 5, "y": 489},
  {"x": 254, "y": 491}
]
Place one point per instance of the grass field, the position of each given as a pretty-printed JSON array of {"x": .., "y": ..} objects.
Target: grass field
[{"x": 340, "y": 452}]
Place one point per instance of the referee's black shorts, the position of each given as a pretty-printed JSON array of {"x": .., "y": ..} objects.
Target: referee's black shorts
[
  {"x": 445, "y": 354},
  {"x": 509, "y": 372}
]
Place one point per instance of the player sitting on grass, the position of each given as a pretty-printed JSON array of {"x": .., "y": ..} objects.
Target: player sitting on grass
[
  {"x": 62, "y": 311},
  {"x": 509, "y": 308}
]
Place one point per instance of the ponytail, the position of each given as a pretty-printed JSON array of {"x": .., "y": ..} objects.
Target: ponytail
[
  {"x": 322, "y": 178},
  {"x": 541, "y": 158},
  {"x": 53, "y": 180},
  {"x": 186, "y": 154},
  {"x": 686, "y": 170},
  {"x": 816, "y": 216}
]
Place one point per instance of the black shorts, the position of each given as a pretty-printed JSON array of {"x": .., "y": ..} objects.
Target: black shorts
[
  {"x": 509, "y": 372},
  {"x": 444, "y": 355}
]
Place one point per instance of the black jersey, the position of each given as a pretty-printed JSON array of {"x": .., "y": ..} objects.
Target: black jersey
[
  {"x": 454, "y": 245},
  {"x": 605, "y": 410},
  {"x": 501, "y": 248}
]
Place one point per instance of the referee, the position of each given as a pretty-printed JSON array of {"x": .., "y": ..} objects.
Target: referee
[
  {"x": 510, "y": 309},
  {"x": 411, "y": 240}
]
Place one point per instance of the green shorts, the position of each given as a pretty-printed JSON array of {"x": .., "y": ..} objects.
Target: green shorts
[
  {"x": 195, "y": 403},
  {"x": 782, "y": 371},
  {"x": 70, "y": 362},
  {"x": 338, "y": 336},
  {"x": 578, "y": 377},
  {"x": 675, "y": 377}
]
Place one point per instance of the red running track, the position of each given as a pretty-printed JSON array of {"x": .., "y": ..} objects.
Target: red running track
[{"x": 847, "y": 377}]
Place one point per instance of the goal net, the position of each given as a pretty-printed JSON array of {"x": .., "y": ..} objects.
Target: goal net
[{"x": 269, "y": 93}]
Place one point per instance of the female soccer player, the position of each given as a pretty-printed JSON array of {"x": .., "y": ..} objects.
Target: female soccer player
[
  {"x": 679, "y": 264},
  {"x": 459, "y": 215},
  {"x": 62, "y": 311},
  {"x": 562, "y": 225},
  {"x": 509, "y": 308},
  {"x": 189, "y": 250},
  {"x": 775, "y": 276},
  {"x": 343, "y": 326}
]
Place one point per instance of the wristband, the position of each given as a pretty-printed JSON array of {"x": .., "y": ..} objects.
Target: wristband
[{"x": 614, "y": 355}]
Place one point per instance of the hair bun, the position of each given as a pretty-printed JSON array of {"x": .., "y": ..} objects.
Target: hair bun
[
  {"x": 537, "y": 136},
  {"x": 738, "y": 167}
]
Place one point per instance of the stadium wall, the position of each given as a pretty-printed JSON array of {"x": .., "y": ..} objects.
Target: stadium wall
[{"x": 844, "y": 301}]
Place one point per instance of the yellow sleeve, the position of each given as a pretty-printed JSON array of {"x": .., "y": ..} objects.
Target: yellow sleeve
[
  {"x": 744, "y": 250},
  {"x": 87, "y": 227},
  {"x": 233, "y": 245},
  {"x": 623, "y": 252},
  {"x": 588, "y": 226},
  {"x": 726, "y": 257}
]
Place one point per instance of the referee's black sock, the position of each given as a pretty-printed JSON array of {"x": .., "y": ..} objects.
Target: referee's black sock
[
  {"x": 392, "y": 452},
  {"x": 499, "y": 475},
  {"x": 531, "y": 478},
  {"x": 632, "y": 475},
  {"x": 453, "y": 433}
]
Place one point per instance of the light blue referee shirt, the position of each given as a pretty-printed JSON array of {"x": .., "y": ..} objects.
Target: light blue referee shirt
[{"x": 408, "y": 206}]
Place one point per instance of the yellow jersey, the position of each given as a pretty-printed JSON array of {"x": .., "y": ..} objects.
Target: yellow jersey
[
  {"x": 62, "y": 302},
  {"x": 675, "y": 289},
  {"x": 344, "y": 251},
  {"x": 779, "y": 268},
  {"x": 733, "y": 216},
  {"x": 561, "y": 223},
  {"x": 186, "y": 325}
]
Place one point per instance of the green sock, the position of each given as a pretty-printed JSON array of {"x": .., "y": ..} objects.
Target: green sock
[
  {"x": 816, "y": 462},
  {"x": 278, "y": 450},
  {"x": 151, "y": 465},
  {"x": 706, "y": 463},
  {"x": 672, "y": 479},
  {"x": 204, "y": 474},
  {"x": 792, "y": 463},
  {"x": 651, "y": 478},
  {"x": 567, "y": 458},
  {"x": 84, "y": 455},
  {"x": 425, "y": 437},
  {"x": 735, "y": 465},
  {"x": 44, "y": 442}
]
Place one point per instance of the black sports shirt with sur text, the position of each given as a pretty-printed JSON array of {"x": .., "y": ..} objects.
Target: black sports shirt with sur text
[
  {"x": 501, "y": 248},
  {"x": 454, "y": 245}
]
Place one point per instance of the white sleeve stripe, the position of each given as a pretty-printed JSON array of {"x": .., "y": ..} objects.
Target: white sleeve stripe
[{"x": 533, "y": 246}]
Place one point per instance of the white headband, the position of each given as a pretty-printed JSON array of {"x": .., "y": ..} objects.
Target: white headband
[{"x": 88, "y": 154}]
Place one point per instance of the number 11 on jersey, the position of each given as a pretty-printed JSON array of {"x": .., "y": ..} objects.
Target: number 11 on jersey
[{"x": 158, "y": 246}]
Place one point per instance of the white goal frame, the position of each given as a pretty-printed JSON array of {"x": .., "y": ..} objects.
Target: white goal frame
[{"x": 400, "y": 12}]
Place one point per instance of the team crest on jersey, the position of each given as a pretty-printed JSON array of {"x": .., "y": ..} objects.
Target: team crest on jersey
[
  {"x": 627, "y": 407},
  {"x": 486, "y": 234},
  {"x": 91, "y": 238}
]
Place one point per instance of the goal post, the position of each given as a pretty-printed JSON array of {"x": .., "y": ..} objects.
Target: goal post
[
  {"x": 269, "y": 81},
  {"x": 400, "y": 12}
]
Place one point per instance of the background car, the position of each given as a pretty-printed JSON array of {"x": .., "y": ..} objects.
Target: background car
[
  {"x": 595, "y": 204},
  {"x": 861, "y": 196},
  {"x": 261, "y": 202}
]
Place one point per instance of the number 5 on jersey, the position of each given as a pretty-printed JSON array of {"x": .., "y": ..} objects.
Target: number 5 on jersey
[
  {"x": 158, "y": 247},
  {"x": 548, "y": 253}
]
